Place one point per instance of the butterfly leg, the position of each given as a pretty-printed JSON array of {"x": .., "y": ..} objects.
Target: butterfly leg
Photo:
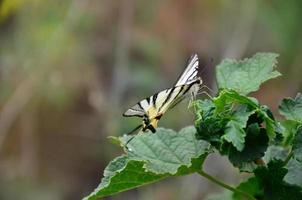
[
  {"x": 128, "y": 141},
  {"x": 135, "y": 129},
  {"x": 193, "y": 97},
  {"x": 131, "y": 132},
  {"x": 206, "y": 87},
  {"x": 191, "y": 101},
  {"x": 206, "y": 93}
]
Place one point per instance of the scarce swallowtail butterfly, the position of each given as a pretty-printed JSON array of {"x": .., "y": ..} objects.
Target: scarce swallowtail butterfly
[{"x": 152, "y": 108}]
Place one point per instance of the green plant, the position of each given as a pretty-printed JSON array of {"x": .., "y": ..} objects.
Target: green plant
[{"x": 232, "y": 123}]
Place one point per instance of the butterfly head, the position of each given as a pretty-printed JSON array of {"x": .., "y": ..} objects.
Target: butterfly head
[
  {"x": 198, "y": 81},
  {"x": 195, "y": 87}
]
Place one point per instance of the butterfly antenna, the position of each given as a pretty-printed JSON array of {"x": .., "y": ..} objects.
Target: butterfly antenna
[
  {"x": 135, "y": 129},
  {"x": 131, "y": 132}
]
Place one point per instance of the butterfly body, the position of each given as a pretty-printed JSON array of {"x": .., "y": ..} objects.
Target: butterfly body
[{"x": 152, "y": 108}]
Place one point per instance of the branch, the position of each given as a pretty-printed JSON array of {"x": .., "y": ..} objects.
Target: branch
[{"x": 224, "y": 185}]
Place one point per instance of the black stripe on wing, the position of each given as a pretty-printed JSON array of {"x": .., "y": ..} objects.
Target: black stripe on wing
[
  {"x": 193, "y": 75},
  {"x": 154, "y": 97},
  {"x": 191, "y": 71},
  {"x": 148, "y": 100},
  {"x": 140, "y": 105},
  {"x": 136, "y": 110},
  {"x": 182, "y": 93},
  {"x": 167, "y": 98}
]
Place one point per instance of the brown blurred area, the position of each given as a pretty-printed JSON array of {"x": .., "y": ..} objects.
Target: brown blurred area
[{"x": 68, "y": 69}]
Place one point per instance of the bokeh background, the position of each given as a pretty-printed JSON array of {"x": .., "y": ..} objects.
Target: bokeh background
[{"x": 68, "y": 69}]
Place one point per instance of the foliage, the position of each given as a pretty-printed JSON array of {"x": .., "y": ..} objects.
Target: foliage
[
  {"x": 232, "y": 123},
  {"x": 247, "y": 75},
  {"x": 292, "y": 108},
  {"x": 152, "y": 157}
]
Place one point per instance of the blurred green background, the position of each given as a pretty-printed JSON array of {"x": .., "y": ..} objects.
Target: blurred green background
[{"x": 69, "y": 69}]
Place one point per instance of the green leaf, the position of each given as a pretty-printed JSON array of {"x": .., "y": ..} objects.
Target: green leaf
[
  {"x": 289, "y": 132},
  {"x": 247, "y": 75},
  {"x": 275, "y": 153},
  {"x": 167, "y": 150},
  {"x": 270, "y": 179},
  {"x": 123, "y": 174},
  {"x": 256, "y": 143},
  {"x": 209, "y": 125},
  {"x": 270, "y": 123},
  {"x": 294, "y": 174},
  {"x": 294, "y": 166},
  {"x": 230, "y": 96},
  {"x": 115, "y": 140},
  {"x": 205, "y": 105},
  {"x": 152, "y": 157},
  {"x": 234, "y": 132},
  {"x": 251, "y": 186},
  {"x": 292, "y": 108},
  {"x": 234, "y": 125},
  {"x": 297, "y": 145},
  {"x": 235, "y": 135}
]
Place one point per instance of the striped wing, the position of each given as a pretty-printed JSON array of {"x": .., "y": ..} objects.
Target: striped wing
[
  {"x": 160, "y": 102},
  {"x": 174, "y": 95},
  {"x": 140, "y": 109},
  {"x": 190, "y": 73}
]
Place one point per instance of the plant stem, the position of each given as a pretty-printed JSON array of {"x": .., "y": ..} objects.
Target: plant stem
[
  {"x": 224, "y": 185},
  {"x": 291, "y": 153}
]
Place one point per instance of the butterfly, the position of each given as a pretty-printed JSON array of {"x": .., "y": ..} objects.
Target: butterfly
[{"x": 152, "y": 108}]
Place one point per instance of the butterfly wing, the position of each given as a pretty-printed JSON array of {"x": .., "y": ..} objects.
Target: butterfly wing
[
  {"x": 153, "y": 107},
  {"x": 161, "y": 101},
  {"x": 177, "y": 94},
  {"x": 158, "y": 103},
  {"x": 140, "y": 109},
  {"x": 190, "y": 73}
]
